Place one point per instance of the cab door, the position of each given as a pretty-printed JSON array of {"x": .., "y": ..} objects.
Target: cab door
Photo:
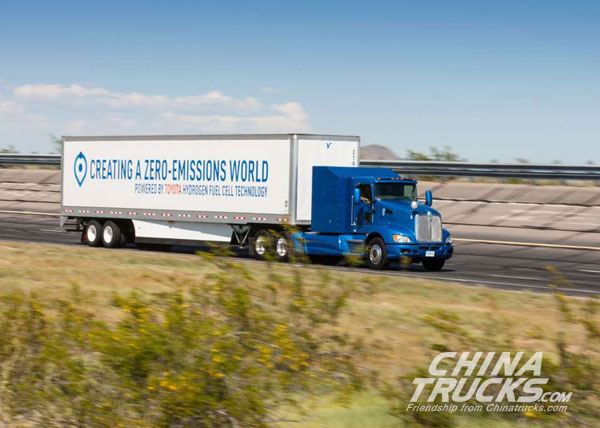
[{"x": 364, "y": 210}]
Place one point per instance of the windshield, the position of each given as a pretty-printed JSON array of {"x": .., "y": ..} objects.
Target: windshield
[{"x": 402, "y": 191}]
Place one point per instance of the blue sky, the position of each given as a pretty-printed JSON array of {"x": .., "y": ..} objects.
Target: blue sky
[{"x": 493, "y": 80}]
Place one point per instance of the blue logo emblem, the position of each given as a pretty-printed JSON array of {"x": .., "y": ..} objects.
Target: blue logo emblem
[
  {"x": 328, "y": 145},
  {"x": 80, "y": 168}
]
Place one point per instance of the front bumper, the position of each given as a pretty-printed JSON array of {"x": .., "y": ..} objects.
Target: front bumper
[{"x": 419, "y": 251}]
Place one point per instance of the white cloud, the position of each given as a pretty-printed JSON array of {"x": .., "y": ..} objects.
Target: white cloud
[
  {"x": 288, "y": 117},
  {"x": 123, "y": 122},
  {"x": 39, "y": 109},
  {"x": 11, "y": 107},
  {"x": 74, "y": 127},
  {"x": 56, "y": 91},
  {"x": 80, "y": 94}
]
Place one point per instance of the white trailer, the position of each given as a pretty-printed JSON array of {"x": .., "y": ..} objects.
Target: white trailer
[{"x": 186, "y": 189}]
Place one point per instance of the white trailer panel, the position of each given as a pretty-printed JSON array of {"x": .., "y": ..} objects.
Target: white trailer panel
[
  {"x": 212, "y": 178},
  {"x": 180, "y": 230},
  {"x": 185, "y": 175}
]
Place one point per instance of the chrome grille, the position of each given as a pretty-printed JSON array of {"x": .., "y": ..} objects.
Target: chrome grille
[
  {"x": 428, "y": 228},
  {"x": 436, "y": 228},
  {"x": 422, "y": 228}
]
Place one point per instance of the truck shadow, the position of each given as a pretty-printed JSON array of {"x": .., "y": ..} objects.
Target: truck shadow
[{"x": 243, "y": 254}]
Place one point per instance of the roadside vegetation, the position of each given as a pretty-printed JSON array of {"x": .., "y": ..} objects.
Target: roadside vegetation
[
  {"x": 445, "y": 154},
  {"x": 95, "y": 338}
]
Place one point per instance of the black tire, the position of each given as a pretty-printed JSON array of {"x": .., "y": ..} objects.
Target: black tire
[
  {"x": 376, "y": 254},
  {"x": 92, "y": 234},
  {"x": 128, "y": 232},
  {"x": 433, "y": 264},
  {"x": 282, "y": 245},
  {"x": 261, "y": 245},
  {"x": 112, "y": 237}
]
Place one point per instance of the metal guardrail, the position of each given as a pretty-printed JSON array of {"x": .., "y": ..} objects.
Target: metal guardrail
[
  {"x": 409, "y": 168},
  {"x": 12, "y": 159},
  {"x": 491, "y": 170}
]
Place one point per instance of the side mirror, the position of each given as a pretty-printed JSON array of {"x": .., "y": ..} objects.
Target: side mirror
[
  {"x": 428, "y": 198},
  {"x": 356, "y": 196}
]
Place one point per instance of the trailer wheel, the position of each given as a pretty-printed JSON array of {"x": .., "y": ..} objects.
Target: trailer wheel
[
  {"x": 92, "y": 234},
  {"x": 376, "y": 254},
  {"x": 112, "y": 237},
  {"x": 433, "y": 264},
  {"x": 261, "y": 244},
  {"x": 283, "y": 245}
]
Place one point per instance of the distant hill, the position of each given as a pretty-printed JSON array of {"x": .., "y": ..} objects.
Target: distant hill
[{"x": 377, "y": 152}]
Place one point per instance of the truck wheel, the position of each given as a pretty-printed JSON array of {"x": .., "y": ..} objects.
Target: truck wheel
[
  {"x": 111, "y": 235},
  {"x": 433, "y": 264},
  {"x": 376, "y": 254},
  {"x": 283, "y": 245},
  {"x": 261, "y": 244},
  {"x": 92, "y": 234}
]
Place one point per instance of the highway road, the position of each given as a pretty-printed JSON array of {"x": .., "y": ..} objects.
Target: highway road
[{"x": 499, "y": 257}]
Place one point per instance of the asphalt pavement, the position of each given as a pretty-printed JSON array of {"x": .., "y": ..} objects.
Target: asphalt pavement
[{"x": 501, "y": 257}]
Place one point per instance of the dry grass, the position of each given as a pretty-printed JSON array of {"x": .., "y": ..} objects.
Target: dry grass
[
  {"x": 391, "y": 319},
  {"x": 393, "y": 315}
]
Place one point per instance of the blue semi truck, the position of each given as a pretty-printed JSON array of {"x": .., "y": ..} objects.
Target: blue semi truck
[
  {"x": 375, "y": 212},
  {"x": 267, "y": 193},
  {"x": 370, "y": 212}
]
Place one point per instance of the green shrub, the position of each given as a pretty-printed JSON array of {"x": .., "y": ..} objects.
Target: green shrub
[{"x": 225, "y": 351}]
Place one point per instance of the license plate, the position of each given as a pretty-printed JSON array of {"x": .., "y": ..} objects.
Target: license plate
[{"x": 429, "y": 253}]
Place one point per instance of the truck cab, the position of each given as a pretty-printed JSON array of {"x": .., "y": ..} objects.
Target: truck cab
[{"x": 376, "y": 213}]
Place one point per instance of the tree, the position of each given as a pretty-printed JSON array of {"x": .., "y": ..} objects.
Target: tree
[
  {"x": 444, "y": 154},
  {"x": 56, "y": 143},
  {"x": 9, "y": 149}
]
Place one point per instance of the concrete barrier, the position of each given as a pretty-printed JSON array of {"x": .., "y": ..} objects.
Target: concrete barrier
[
  {"x": 565, "y": 208},
  {"x": 514, "y": 193},
  {"x": 30, "y": 190},
  {"x": 511, "y": 205}
]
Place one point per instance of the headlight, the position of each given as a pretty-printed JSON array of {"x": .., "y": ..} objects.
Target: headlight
[
  {"x": 401, "y": 238},
  {"x": 449, "y": 240}
]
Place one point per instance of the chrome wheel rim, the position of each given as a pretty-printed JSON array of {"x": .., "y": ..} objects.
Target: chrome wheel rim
[
  {"x": 108, "y": 234},
  {"x": 375, "y": 254},
  {"x": 281, "y": 247},
  {"x": 260, "y": 245},
  {"x": 92, "y": 233}
]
